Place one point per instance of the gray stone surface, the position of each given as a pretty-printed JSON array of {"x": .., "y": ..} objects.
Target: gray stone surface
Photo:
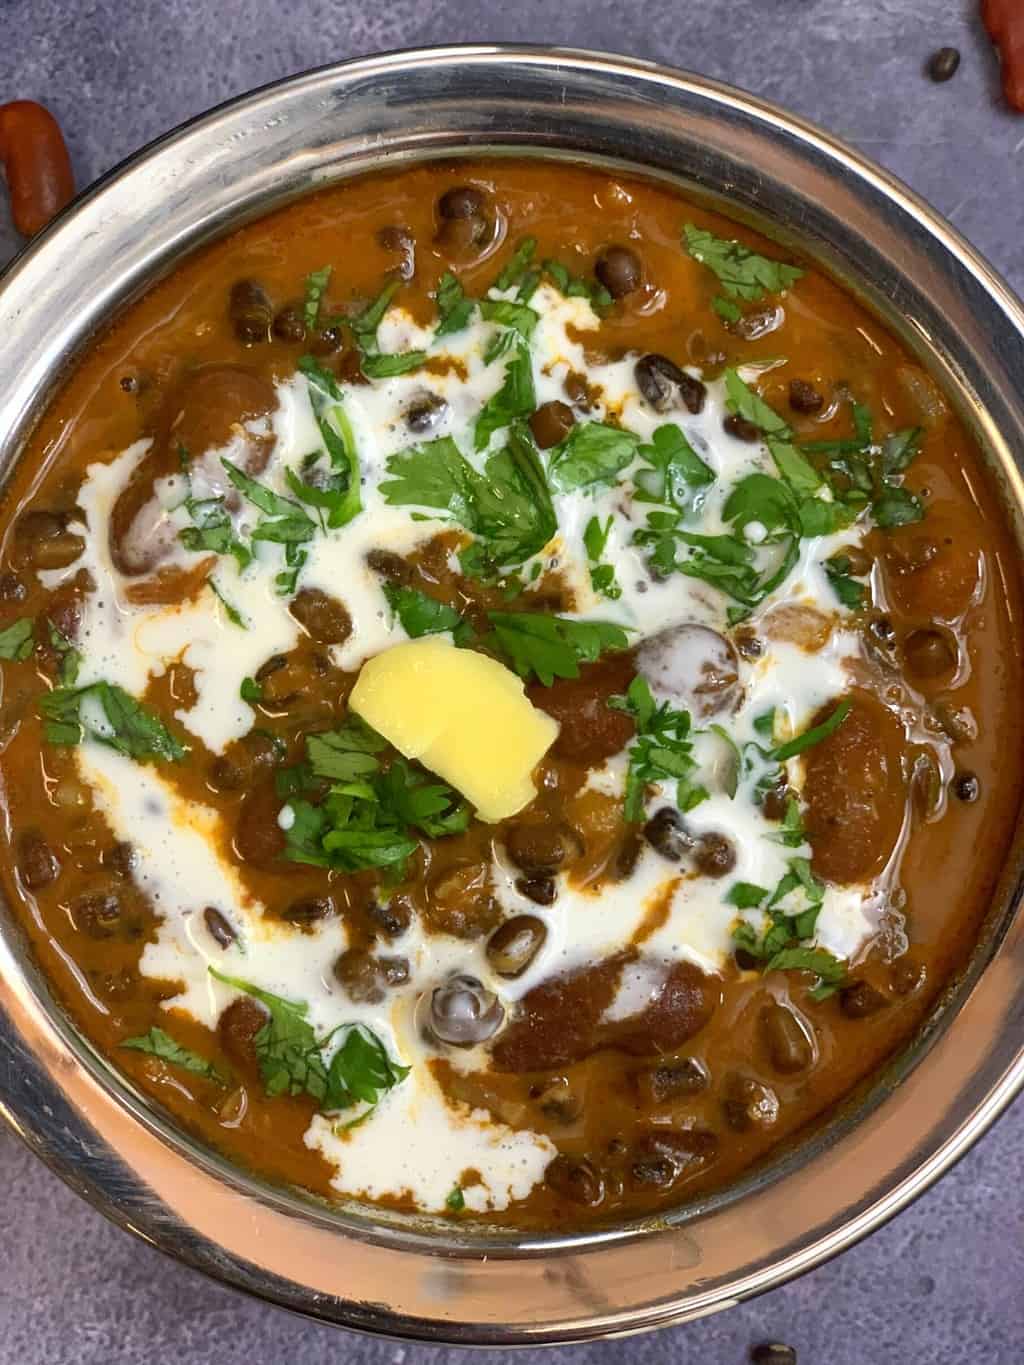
[{"x": 943, "y": 1281}]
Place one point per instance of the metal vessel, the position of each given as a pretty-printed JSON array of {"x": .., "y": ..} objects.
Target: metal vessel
[{"x": 434, "y": 1281}]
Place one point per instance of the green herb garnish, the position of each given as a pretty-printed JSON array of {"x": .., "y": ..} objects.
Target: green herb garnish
[
  {"x": 661, "y": 752},
  {"x": 591, "y": 455},
  {"x": 116, "y": 719},
  {"x": 549, "y": 647},
  {"x": 160, "y": 1044},
  {"x": 293, "y": 1059},
  {"x": 742, "y": 273},
  {"x": 16, "y": 640},
  {"x": 454, "y": 309},
  {"x": 508, "y": 506},
  {"x": 316, "y": 286},
  {"x": 602, "y": 576},
  {"x": 419, "y": 614}
]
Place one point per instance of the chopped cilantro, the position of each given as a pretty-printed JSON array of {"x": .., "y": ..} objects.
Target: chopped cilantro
[
  {"x": 375, "y": 364},
  {"x": 213, "y": 531},
  {"x": 747, "y": 403},
  {"x": 293, "y": 1060},
  {"x": 549, "y": 647},
  {"x": 516, "y": 316},
  {"x": 316, "y": 286},
  {"x": 160, "y": 1044},
  {"x": 662, "y": 750},
  {"x": 454, "y": 309},
  {"x": 602, "y": 576},
  {"x": 896, "y": 506},
  {"x": 743, "y": 274},
  {"x": 346, "y": 754},
  {"x": 250, "y": 691},
  {"x": 333, "y": 489},
  {"x": 574, "y": 287},
  {"x": 508, "y": 506},
  {"x": 230, "y": 610},
  {"x": 70, "y": 658},
  {"x": 455, "y": 1200},
  {"x": 117, "y": 720},
  {"x": 792, "y": 911},
  {"x": 16, "y": 640},
  {"x": 849, "y": 592},
  {"x": 591, "y": 455},
  {"x": 515, "y": 399},
  {"x": 419, "y": 614},
  {"x": 515, "y": 269}
]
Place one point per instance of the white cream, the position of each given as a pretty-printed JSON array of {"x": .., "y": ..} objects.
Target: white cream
[{"x": 417, "y": 1143}]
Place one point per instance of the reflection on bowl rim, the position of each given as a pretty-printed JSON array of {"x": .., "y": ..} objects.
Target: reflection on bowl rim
[{"x": 410, "y": 1277}]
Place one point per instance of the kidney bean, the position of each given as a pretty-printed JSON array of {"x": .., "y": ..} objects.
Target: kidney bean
[
  {"x": 36, "y": 163},
  {"x": 854, "y": 790},
  {"x": 785, "y": 1039},
  {"x": 1004, "y": 21},
  {"x": 670, "y": 1081},
  {"x": 237, "y": 1028}
]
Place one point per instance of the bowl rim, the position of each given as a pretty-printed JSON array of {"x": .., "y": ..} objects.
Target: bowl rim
[{"x": 95, "y": 1116}]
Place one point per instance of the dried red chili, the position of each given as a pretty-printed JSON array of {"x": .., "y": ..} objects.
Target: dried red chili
[
  {"x": 1004, "y": 20},
  {"x": 36, "y": 162}
]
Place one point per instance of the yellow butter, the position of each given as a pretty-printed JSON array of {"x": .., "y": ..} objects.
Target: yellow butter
[{"x": 462, "y": 715}]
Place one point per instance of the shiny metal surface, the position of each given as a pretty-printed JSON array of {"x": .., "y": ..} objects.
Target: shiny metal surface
[{"x": 111, "y": 1143}]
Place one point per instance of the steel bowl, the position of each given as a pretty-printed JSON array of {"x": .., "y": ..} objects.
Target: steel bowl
[{"x": 406, "y": 1277}]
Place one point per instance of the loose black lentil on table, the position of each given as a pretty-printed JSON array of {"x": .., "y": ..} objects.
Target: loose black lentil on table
[{"x": 942, "y": 65}]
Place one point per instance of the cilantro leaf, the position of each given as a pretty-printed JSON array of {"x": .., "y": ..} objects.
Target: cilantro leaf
[
  {"x": 413, "y": 799},
  {"x": 16, "y": 640},
  {"x": 896, "y": 507},
  {"x": 662, "y": 750},
  {"x": 123, "y": 724},
  {"x": 743, "y": 273},
  {"x": 746, "y": 402},
  {"x": 375, "y": 363},
  {"x": 549, "y": 647},
  {"x": 70, "y": 658},
  {"x": 453, "y": 307},
  {"x": 360, "y": 1070},
  {"x": 849, "y": 592},
  {"x": 286, "y": 1046},
  {"x": 345, "y": 754},
  {"x": 455, "y": 1199},
  {"x": 516, "y": 316},
  {"x": 509, "y": 505},
  {"x": 676, "y": 469},
  {"x": 602, "y": 576},
  {"x": 365, "y": 324},
  {"x": 250, "y": 690},
  {"x": 335, "y": 490},
  {"x": 574, "y": 287},
  {"x": 514, "y": 509},
  {"x": 746, "y": 895},
  {"x": 230, "y": 610},
  {"x": 386, "y": 366},
  {"x": 515, "y": 399},
  {"x": 213, "y": 531},
  {"x": 516, "y": 267},
  {"x": 592, "y": 454},
  {"x": 316, "y": 286},
  {"x": 434, "y": 474},
  {"x": 160, "y": 1044},
  {"x": 419, "y": 614}
]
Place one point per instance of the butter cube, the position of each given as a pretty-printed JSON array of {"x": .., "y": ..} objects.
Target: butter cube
[{"x": 462, "y": 715}]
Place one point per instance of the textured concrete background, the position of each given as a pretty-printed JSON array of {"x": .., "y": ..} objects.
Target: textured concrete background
[{"x": 942, "y": 1282}]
